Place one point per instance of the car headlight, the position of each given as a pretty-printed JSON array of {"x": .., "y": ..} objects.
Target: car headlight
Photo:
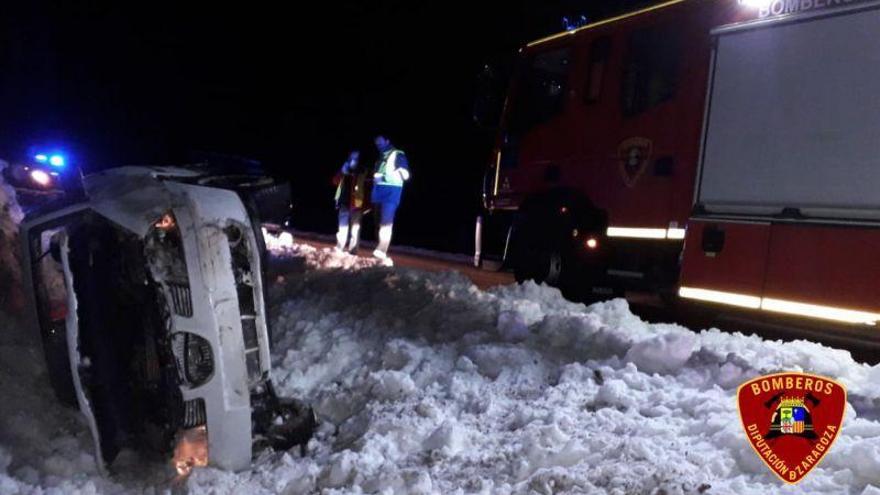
[{"x": 195, "y": 360}]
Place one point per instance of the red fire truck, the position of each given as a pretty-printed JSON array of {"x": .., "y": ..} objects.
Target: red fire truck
[
  {"x": 787, "y": 206},
  {"x": 601, "y": 142}
]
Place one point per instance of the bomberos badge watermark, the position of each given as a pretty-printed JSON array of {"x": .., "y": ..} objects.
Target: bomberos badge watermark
[{"x": 791, "y": 420}]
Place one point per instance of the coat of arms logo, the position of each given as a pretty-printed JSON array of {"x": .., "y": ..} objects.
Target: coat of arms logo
[
  {"x": 791, "y": 420},
  {"x": 634, "y": 155}
]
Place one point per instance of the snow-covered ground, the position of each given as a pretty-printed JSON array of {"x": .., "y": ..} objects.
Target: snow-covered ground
[{"x": 425, "y": 384}]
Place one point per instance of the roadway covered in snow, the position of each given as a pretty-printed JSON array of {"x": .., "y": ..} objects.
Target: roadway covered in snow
[{"x": 426, "y": 384}]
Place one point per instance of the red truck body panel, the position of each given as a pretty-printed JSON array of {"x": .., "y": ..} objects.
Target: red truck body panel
[
  {"x": 827, "y": 265},
  {"x": 796, "y": 259},
  {"x": 581, "y": 145},
  {"x": 641, "y": 167},
  {"x": 738, "y": 268}
]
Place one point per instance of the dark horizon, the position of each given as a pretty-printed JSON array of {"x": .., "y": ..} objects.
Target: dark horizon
[{"x": 123, "y": 84}]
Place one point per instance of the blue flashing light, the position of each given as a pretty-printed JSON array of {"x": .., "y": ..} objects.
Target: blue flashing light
[
  {"x": 56, "y": 160},
  {"x": 41, "y": 158},
  {"x": 571, "y": 24}
]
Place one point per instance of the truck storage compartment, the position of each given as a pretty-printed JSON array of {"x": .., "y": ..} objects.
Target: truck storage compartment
[
  {"x": 825, "y": 265},
  {"x": 727, "y": 258},
  {"x": 787, "y": 215},
  {"x": 794, "y": 117}
]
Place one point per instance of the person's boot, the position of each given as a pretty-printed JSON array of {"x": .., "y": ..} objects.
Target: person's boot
[
  {"x": 381, "y": 251},
  {"x": 355, "y": 238},
  {"x": 383, "y": 257},
  {"x": 341, "y": 239},
  {"x": 384, "y": 240}
]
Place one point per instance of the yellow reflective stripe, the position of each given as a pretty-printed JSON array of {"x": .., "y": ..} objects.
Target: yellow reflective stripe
[
  {"x": 818, "y": 311},
  {"x": 673, "y": 234},
  {"x": 795, "y": 308},
  {"x": 606, "y": 21},
  {"x": 721, "y": 297},
  {"x": 497, "y": 173},
  {"x": 392, "y": 160},
  {"x": 387, "y": 170}
]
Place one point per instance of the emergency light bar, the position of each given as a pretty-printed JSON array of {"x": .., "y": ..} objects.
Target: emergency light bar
[{"x": 55, "y": 159}]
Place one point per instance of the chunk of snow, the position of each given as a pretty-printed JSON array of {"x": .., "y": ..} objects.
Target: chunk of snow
[{"x": 664, "y": 353}]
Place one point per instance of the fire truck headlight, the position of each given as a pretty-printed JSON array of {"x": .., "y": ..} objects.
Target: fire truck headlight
[
  {"x": 591, "y": 243},
  {"x": 41, "y": 158},
  {"x": 41, "y": 178},
  {"x": 756, "y": 4}
]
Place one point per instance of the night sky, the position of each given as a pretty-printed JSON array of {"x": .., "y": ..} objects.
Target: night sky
[{"x": 296, "y": 88}]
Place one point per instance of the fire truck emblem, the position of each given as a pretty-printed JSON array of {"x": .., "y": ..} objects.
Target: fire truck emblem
[
  {"x": 791, "y": 420},
  {"x": 633, "y": 155}
]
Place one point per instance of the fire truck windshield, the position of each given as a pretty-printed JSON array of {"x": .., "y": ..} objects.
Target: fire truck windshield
[{"x": 539, "y": 92}]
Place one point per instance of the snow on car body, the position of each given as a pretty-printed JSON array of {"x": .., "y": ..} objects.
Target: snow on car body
[{"x": 158, "y": 331}]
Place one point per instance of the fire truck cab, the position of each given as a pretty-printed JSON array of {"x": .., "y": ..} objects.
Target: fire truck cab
[
  {"x": 596, "y": 158},
  {"x": 787, "y": 210},
  {"x": 731, "y": 126}
]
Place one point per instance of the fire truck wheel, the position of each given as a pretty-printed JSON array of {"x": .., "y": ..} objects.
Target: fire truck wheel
[{"x": 543, "y": 265}]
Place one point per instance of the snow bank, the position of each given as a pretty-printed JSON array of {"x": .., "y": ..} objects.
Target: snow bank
[
  {"x": 10, "y": 277},
  {"x": 285, "y": 250},
  {"x": 425, "y": 384}
]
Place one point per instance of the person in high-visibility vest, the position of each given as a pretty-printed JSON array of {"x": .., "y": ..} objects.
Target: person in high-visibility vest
[
  {"x": 392, "y": 171},
  {"x": 351, "y": 199}
]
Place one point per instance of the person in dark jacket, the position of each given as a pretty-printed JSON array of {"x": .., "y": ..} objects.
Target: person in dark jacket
[
  {"x": 391, "y": 172},
  {"x": 351, "y": 198}
]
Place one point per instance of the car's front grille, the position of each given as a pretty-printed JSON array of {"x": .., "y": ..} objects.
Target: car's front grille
[
  {"x": 247, "y": 307},
  {"x": 249, "y": 329},
  {"x": 181, "y": 299},
  {"x": 194, "y": 413}
]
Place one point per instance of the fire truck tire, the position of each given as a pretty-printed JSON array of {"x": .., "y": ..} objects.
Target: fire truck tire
[
  {"x": 543, "y": 265},
  {"x": 543, "y": 244}
]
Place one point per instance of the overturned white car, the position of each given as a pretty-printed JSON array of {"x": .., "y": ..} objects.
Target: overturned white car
[{"x": 148, "y": 294}]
